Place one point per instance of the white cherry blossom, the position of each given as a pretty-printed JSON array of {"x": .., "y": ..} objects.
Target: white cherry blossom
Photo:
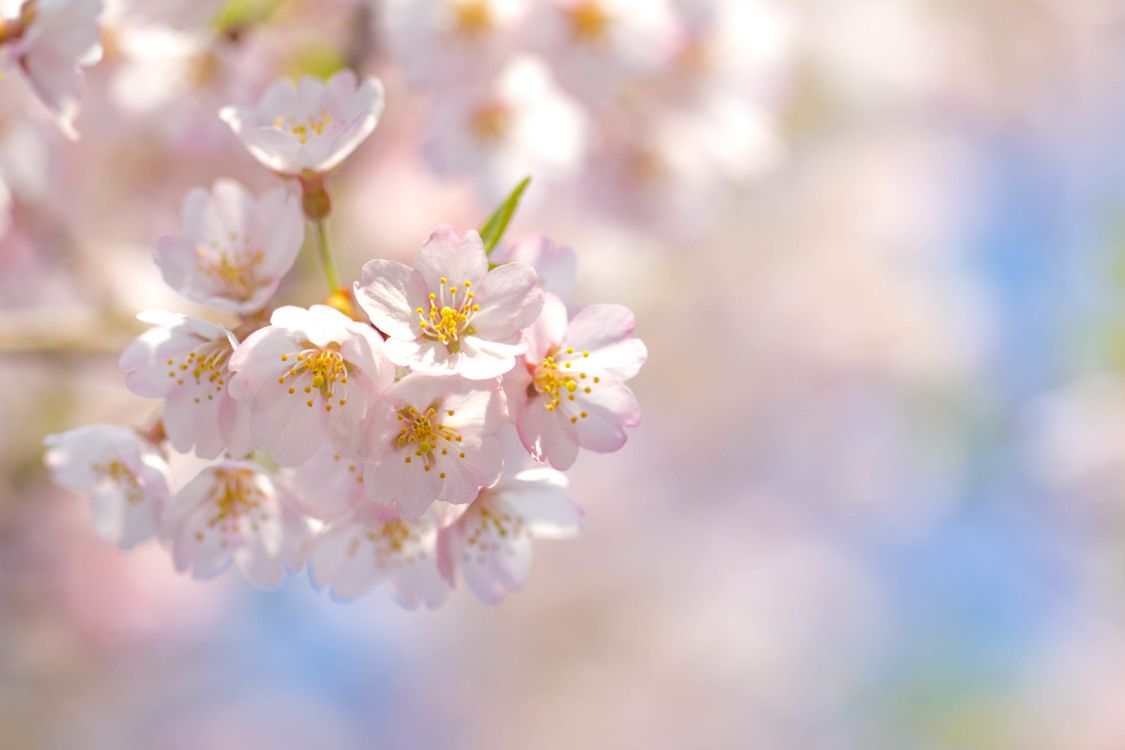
[
  {"x": 234, "y": 249},
  {"x": 450, "y": 314},
  {"x": 433, "y": 438},
  {"x": 185, "y": 362},
  {"x": 125, "y": 476},
  {"x": 309, "y": 376},
  {"x": 308, "y": 126},
  {"x": 233, "y": 512}
]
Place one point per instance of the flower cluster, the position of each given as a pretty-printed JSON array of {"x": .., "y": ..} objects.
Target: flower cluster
[{"x": 410, "y": 431}]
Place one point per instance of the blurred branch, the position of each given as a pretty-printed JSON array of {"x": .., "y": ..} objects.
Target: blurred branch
[{"x": 65, "y": 332}]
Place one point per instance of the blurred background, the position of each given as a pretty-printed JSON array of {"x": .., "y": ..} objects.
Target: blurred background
[{"x": 876, "y": 249}]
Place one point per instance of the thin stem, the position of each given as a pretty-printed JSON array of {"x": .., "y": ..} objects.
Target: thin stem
[{"x": 325, "y": 253}]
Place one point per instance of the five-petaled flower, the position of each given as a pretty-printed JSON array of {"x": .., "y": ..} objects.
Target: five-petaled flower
[
  {"x": 125, "y": 476},
  {"x": 185, "y": 362},
  {"x": 450, "y": 314},
  {"x": 234, "y": 248},
  {"x": 372, "y": 546},
  {"x": 571, "y": 393},
  {"x": 49, "y": 43},
  {"x": 309, "y": 126},
  {"x": 490, "y": 543},
  {"x": 233, "y": 512},
  {"x": 433, "y": 438},
  {"x": 309, "y": 375}
]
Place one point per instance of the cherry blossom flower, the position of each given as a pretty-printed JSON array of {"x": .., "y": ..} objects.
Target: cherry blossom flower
[
  {"x": 556, "y": 265},
  {"x": 490, "y": 544},
  {"x": 433, "y": 438},
  {"x": 372, "y": 546},
  {"x": 232, "y": 512},
  {"x": 450, "y": 314},
  {"x": 329, "y": 484},
  {"x": 596, "y": 46},
  {"x": 235, "y": 248},
  {"x": 475, "y": 38},
  {"x": 571, "y": 393},
  {"x": 49, "y": 43},
  {"x": 309, "y": 126},
  {"x": 185, "y": 361},
  {"x": 125, "y": 476},
  {"x": 523, "y": 123},
  {"x": 310, "y": 375}
]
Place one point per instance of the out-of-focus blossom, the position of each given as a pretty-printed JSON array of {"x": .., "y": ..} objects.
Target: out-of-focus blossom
[
  {"x": 308, "y": 126},
  {"x": 450, "y": 44},
  {"x": 450, "y": 314},
  {"x": 49, "y": 42},
  {"x": 523, "y": 124},
  {"x": 597, "y": 46},
  {"x": 184, "y": 361},
  {"x": 556, "y": 265},
  {"x": 124, "y": 475},
  {"x": 490, "y": 543},
  {"x": 433, "y": 438},
  {"x": 372, "y": 546},
  {"x": 234, "y": 248},
  {"x": 572, "y": 392},
  {"x": 310, "y": 375},
  {"x": 232, "y": 512},
  {"x": 329, "y": 484}
]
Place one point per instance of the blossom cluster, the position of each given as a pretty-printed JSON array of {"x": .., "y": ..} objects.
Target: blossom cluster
[{"x": 408, "y": 432}]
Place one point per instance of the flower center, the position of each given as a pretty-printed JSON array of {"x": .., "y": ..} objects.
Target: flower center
[
  {"x": 235, "y": 495},
  {"x": 490, "y": 122},
  {"x": 589, "y": 21},
  {"x": 473, "y": 17},
  {"x": 120, "y": 475},
  {"x": 234, "y": 271},
  {"x": 207, "y": 364},
  {"x": 428, "y": 437},
  {"x": 395, "y": 543},
  {"x": 485, "y": 522},
  {"x": 304, "y": 130},
  {"x": 449, "y": 318},
  {"x": 327, "y": 370},
  {"x": 559, "y": 382}
]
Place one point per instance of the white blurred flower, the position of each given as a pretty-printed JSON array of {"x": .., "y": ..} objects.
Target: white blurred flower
[
  {"x": 489, "y": 545},
  {"x": 452, "y": 44},
  {"x": 234, "y": 248},
  {"x": 49, "y": 43},
  {"x": 309, "y": 126},
  {"x": 124, "y": 475},
  {"x": 232, "y": 512},
  {"x": 372, "y": 546},
  {"x": 556, "y": 265},
  {"x": 523, "y": 124}
]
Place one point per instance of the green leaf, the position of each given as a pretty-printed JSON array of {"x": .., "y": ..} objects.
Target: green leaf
[{"x": 496, "y": 225}]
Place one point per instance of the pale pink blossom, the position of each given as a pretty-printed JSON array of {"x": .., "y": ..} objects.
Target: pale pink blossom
[
  {"x": 125, "y": 476},
  {"x": 449, "y": 44},
  {"x": 309, "y": 376},
  {"x": 520, "y": 124},
  {"x": 373, "y": 546},
  {"x": 596, "y": 47},
  {"x": 433, "y": 438},
  {"x": 233, "y": 512},
  {"x": 51, "y": 41},
  {"x": 450, "y": 314},
  {"x": 490, "y": 544},
  {"x": 234, "y": 249},
  {"x": 185, "y": 362},
  {"x": 330, "y": 484},
  {"x": 572, "y": 391},
  {"x": 556, "y": 265},
  {"x": 308, "y": 126}
]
